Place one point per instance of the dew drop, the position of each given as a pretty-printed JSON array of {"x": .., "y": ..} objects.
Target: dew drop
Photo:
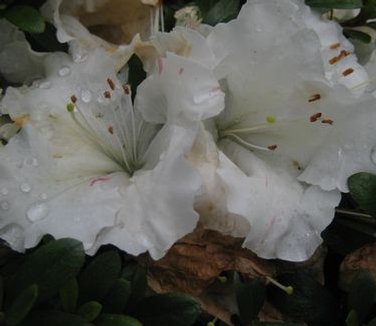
[
  {"x": 31, "y": 161},
  {"x": 64, "y": 71},
  {"x": 5, "y": 191},
  {"x": 37, "y": 211},
  {"x": 5, "y": 205},
  {"x": 25, "y": 187},
  {"x": 86, "y": 96},
  {"x": 45, "y": 85}
]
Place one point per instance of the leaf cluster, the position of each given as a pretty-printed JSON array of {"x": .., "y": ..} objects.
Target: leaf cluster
[{"x": 56, "y": 284}]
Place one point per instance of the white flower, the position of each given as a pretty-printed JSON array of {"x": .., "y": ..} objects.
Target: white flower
[
  {"x": 294, "y": 127},
  {"x": 94, "y": 170}
]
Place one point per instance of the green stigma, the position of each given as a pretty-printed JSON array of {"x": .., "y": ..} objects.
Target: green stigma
[
  {"x": 70, "y": 107},
  {"x": 270, "y": 118}
]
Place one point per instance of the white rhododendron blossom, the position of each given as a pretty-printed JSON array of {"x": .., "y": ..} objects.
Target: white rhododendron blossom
[
  {"x": 86, "y": 165},
  {"x": 274, "y": 161}
]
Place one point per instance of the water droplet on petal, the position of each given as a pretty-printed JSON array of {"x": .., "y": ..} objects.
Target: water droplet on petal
[
  {"x": 25, "y": 187},
  {"x": 64, "y": 71},
  {"x": 5, "y": 205},
  {"x": 37, "y": 211},
  {"x": 5, "y": 191},
  {"x": 45, "y": 85},
  {"x": 86, "y": 96}
]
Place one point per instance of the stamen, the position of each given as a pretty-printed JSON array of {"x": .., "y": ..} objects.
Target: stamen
[
  {"x": 347, "y": 72},
  {"x": 327, "y": 121},
  {"x": 272, "y": 147},
  {"x": 73, "y": 99},
  {"x": 339, "y": 57},
  {"x": 314, "y": 97},
  {"x": 247, "y": 144},
  {"x": 335, "y": 46},
  {"x": 315, "y": 117},
  {"x": 111, "y": 130},
  {"x": 107, "y": 94},
  {"x": 126, "y": 89},
  {"x": 288, "y": 289},
  {"x": 111, "y": 83}
]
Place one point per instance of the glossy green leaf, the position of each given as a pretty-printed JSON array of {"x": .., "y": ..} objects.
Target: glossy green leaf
[
  {"x": 136, "y": 274},
  {"x": 369, "y": 9},
  {"x": 310, "y": 301},
  {"x": 89, "y": 310},
  {"x": 250, "y": 297},
  {"x": 99, "y": 276},
  {"x": 357, "y": 35},
  {"x": 21, "y": 306},
  {"x": 352, "y": 318},
  {"x": 167, "y": 309},
  {"x": 117, "y": 320},
  {"x": 50, "y": 267},
  {"x": 362, "y": 294},
  {"x": 222, "y": 11},
  {"x": 26, "y": 18},
  {"x": 69, "y": 295},
  {"x": 362, "y": 188},
  {"x": 54, "y": 318},
  {"x": 116, "y": 299},
  {"x": 335, "y": 4}
]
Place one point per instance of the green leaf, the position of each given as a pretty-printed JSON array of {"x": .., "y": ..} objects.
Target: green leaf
[
  {"x": 167, "y": 309},
  {"x": 362, "y": 294},
  {"x": 26, "y": 18},
  {"x": 116, "y": 320},
  {"x": 335, "y": 4},
  {"x": 21, "y": 306},
  {"x": 69, "y": 295},
  {"x": 116, "y": 299},
  {"x": 99, "y": 276},
  {"x": 50, "y": 267},
  {"x": 89, "y": 310},
  {"x": 310, "y": 301},
  {"x": 270, "y": 323},
  {"x": 352, "y": 318},
  {"x": 357, "y": 35},
  {"x": 250, "y": 297},
  {"x": 136, "y": 274},
  {"x": 372, "y": 322},
  {"x": 362, "y": 188},
  {"x": 222, "y": 11},
  {"x": 55, "y": 318},
  {"x": 1, "y": 292}
]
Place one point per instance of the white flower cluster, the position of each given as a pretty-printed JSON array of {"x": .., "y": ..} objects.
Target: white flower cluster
[{"x": 251, "y": 128}]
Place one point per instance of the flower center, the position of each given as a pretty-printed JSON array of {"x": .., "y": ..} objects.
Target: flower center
[{"x": 113, "y": 127}]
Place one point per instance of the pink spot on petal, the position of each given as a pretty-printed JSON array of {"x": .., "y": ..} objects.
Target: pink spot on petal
[
  {"x": 214, "y": 89},
  {"x": 159, "y": 65},
  {"x": 99, "y": 179}
]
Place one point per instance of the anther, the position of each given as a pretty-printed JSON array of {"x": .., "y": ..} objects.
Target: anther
[
  {"x": 111, "y": 130},
  {"x": 314, "y": 97},
  {"x": 126, "y": 89},
  {"x": 272, "y": 147},
  {"x": 327, "y": 121},
  {"x": 315, "y": 117},
  {"x": 73, "y": 99},
  {"x": 107, "y": 94},
  {"x": 335, "y": 46},
  {"x": 347, "y": 72},
  {"x": 111, "y": 83}
]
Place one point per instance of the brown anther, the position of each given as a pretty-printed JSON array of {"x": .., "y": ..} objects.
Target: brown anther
[
  {"x": 73, "y": 99},
  {"x": 21, "y": 120},
  {"x": 107, "y": 94},
  {"x": 327, "y": 121},
  {"x": 333, "y": 60},
  {"x": 344, "y": 53},
  {"x": 347, "y": 72},
  {"x": 126, "y": 89},
  {"x": 111, "y": 130},
  {"x": 314, "y": 97},
  {"x": 272, "y": 147},
  {"x": 297, "y": 165},
  {"x": 111, "y": 83},
  {"x": 341, "y": 55},
  {"x": 335, "y": 46},
  {"x": 315, "y": 117}
]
